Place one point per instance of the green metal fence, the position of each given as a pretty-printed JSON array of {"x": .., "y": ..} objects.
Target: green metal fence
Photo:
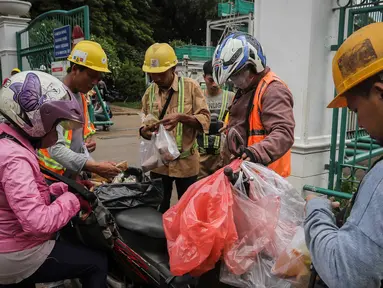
[
  {"x": 233, "y": 7},
  {"x": 35, "y": 43},
  {"x": 357, "y": 151},
  {"x": 195, "y": 52}
]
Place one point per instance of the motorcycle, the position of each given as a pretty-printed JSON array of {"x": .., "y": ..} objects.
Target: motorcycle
[{"x": 139, "y": 257}]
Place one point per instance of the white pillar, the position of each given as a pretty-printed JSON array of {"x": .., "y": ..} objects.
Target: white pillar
[
  {"x": 296, "y": 36},
  {"x": 208, "y": 33},
  {"x": 8, "y": 50}
]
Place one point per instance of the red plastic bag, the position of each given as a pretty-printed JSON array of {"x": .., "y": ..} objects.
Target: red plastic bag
[{"x": 201, "y": 225}]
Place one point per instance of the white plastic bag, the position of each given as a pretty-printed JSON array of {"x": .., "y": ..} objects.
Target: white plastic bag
[
  {"x": 166, "y": 145},
  {"x": 149, "y": 156}
]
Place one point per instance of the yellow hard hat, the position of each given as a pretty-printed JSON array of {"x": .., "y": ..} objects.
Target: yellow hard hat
[
  {"x": 89, "y": 54},
  {"x": 159, "y": 58},
  {"x": 17, "y": 70},
  {"x": 358, "y": 58}
]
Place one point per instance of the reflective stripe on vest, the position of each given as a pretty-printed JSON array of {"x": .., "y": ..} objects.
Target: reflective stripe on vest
[
  {"x": 181, "y": 108},
  {"x": 47, "y": 162},
  {"x": 217, "y": 139},
  {"x": 88, "y": 127},
  {"x": 45, "y": 159},
  {"x": 257, "y": 132}
]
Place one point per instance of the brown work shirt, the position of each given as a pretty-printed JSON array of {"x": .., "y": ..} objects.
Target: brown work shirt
[
  {"x": 194, "y": 104},
  {"x": 277, "y": 117}
]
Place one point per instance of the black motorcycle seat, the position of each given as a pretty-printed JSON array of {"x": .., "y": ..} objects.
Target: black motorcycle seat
[
  {"x": 154, "y": 251},
  {"x": 142, "y": 220}
]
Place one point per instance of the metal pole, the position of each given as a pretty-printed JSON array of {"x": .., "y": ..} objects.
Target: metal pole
[
  {"x": 208, "y": 33},
  {"x": 335, "y": 114}
]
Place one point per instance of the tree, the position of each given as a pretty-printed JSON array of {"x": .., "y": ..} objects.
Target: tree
[{"x": 183, "y": 19}]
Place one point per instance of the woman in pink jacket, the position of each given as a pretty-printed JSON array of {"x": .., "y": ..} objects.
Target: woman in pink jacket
[{"x": 35, "y": 103}]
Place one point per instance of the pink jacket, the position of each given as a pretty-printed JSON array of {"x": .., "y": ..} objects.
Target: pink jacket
[{"x": 27, "y": 216}]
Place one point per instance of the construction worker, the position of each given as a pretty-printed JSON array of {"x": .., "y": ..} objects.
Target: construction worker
[
  {"x": 352, "y": 256},
  {"x": 186, "y": 115},
  {"x": 13, "y": 72},
  {"x": 70, "y": 155},
  {"x": 210, "y": 144},
  {"x": 261, "y": 120}
]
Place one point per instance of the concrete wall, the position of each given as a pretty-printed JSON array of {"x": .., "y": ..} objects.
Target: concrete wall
[
  {"x": 297, "y": 35},
  {"x": 8, "y": 49}
]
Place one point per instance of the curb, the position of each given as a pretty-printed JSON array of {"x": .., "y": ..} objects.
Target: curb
[{"x": 125, "y": 113}]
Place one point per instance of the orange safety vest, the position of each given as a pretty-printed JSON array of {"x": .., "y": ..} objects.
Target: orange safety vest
[
  {"x": 257, "y": 132},
  {"x": 45, "y": 159}
]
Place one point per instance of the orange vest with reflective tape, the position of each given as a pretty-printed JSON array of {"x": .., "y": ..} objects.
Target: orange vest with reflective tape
[
  {"x": 45, "y": 159},
  {"x": 257, "y": 132}
]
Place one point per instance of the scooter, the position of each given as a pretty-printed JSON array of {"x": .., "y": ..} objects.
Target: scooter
[{"x": 140, "y": 258}]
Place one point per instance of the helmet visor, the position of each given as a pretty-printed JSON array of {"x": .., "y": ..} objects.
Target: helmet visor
[{"x": 70, "y": 124}]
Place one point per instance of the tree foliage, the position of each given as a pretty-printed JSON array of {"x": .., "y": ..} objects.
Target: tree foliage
[{"x": 126, "y": 28}]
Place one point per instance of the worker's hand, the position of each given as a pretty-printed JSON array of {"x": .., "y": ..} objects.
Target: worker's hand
[
  {"x": 147, "y": 131},
  {"x": 245, "y": 157},
  {"x": 170, "y": 121},
  {"x": 105, "y": 169},
  {"x": 334, "y": 204},
  {"x": 90, "y": 145},
  {"x": 223, "y": 129}
]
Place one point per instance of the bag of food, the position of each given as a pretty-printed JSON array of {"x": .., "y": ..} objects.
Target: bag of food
[
  {"x": 166, "y": 145},
  {"x": 150, "y": 158},
  {"x": 294, "y": 263},
  {"x": 201, "y": 225},
  {"x": 252, "y": 260}
]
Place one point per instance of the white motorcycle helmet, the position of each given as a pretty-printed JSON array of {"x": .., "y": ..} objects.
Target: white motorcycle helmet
[
  {"x": 35, "y": 102},
  {"x": 235, "y": 52}
]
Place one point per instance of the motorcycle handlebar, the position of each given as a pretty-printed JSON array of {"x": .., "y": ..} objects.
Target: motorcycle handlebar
[{"x": 229, "y": 173}]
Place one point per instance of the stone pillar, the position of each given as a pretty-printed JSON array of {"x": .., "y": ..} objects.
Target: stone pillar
[
  {"x": 9, "y": 25},
  {"x": 296, "y": 37}
]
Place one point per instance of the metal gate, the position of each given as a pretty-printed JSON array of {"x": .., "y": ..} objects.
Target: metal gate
[
  {"x": 35, "y": 44},
  {"x": 357, "y": 151}
]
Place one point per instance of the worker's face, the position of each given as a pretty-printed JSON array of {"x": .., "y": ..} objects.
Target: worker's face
[
  {"x": 243, "y": 78},
  {"x": 210, "y": 84},
  {"x": 84, "y": 80},
  {"x": 369, "y": 110},
  {"x": 164, "y": 80}
]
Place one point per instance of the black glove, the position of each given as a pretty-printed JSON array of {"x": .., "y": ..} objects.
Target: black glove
[{"x": 250, "y": 154}]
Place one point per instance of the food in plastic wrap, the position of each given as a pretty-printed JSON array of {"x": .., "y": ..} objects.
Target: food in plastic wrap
[
  {"x": 201, "y": 225},
  {"x": 123, "y": 165},
  {"x": 149, "y": 120},
  {"x": 166, "y": 145}
]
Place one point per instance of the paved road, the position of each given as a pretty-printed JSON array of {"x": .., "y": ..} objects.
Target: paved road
[{"x": 121, "y": 142}]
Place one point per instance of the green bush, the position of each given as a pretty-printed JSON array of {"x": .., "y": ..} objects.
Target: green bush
[
  {"x": 114, "y": 63},
  {"x": 131, "y": 82}
]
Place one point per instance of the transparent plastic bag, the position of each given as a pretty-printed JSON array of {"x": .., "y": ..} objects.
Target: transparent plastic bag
[
  {"x": 149, "y": 156},
  {"x": 246, "y": 262},
  {"x": 258, "y": 275},
  {"x": 166, "y": 145},
  {"x": 255, "y": 223},
  {"x": 294, "y": 263},
  {"x": 264, "y": 185},
  {"x": 201, "y": 225}
]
